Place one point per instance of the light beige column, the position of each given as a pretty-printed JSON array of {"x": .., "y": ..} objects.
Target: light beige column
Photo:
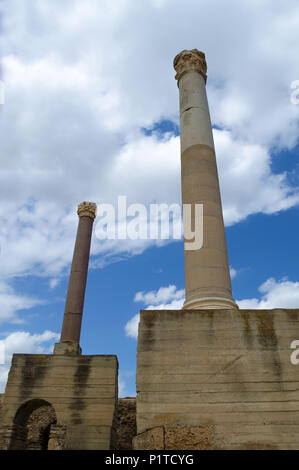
[{"x": 207, "y": 276}]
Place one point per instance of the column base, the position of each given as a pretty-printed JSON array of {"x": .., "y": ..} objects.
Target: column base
[
  {"x": 68, "y": 348},
  {"x": 217, "y": 379},
  {"x": 209, "y": 303}
]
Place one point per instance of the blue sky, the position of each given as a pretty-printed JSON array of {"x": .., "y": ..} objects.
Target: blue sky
[{"x": 91, "y": 113}]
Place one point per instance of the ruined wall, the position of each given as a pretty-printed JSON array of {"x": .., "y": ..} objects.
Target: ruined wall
[
  {"x": 1, "y": 404},
  {"x": 38, "y": 428},
  {"x": 126, "y": 423},
  {"x": 81, "y": 389},
  {"x": 218, "y": 379},
  {"x": 45, "y": 415}
]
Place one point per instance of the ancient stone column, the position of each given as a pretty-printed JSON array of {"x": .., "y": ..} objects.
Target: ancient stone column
[
  {"x": 71, "y": 327},
  {"x": 207, "y": 275}
]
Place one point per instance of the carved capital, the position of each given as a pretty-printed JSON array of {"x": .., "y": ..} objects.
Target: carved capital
[
  {"x": 88, "y": 209},
  {"x": 190, "y": 60}
]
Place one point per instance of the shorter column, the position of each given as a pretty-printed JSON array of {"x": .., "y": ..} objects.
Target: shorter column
[{"x": 71, "y": 328}]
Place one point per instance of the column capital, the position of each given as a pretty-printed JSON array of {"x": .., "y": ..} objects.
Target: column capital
[
  {"x": 186, "y": 61},
  {"x": 88, "y": 209}
]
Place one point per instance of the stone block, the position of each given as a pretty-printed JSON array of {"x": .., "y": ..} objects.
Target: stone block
[
  {"x": 223, "y": 370},
  {"x": 152, "y": 439},
  {"x": 81, "y": 393},
  {"x": 188, "y": 438}
]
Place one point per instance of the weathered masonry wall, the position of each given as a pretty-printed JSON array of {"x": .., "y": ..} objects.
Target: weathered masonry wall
[
  {"x": 126, "y": 423},
  {"x": 80, "y": 391},
  {"x": 1, "y": 401},
  {"x": 41, "y": 417},
  {"x": 217, "y": 379}
]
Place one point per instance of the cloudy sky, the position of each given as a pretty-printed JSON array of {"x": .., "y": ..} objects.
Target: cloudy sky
[{"x": 91, "y": 113}]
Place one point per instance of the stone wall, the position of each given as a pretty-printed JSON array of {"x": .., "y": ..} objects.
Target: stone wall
[
  {"x": 126, "y": 424},
  {"x": 1, "y": 404},
  {"x": 218, "y": 379},
  {"x": 81, "y": 389},
  {"x": 44, "y": 416}
]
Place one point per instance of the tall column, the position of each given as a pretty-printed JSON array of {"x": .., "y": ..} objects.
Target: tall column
[
  {"x": 71, "y": 327},
  {"x": 207, "y": 275}
]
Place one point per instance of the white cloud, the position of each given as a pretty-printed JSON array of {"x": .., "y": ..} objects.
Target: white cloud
[
  {"x": 12, "y": 303},
  {"x": 233, "y": 272},
  {"x": 165, "y": 298},
  {"x": 172, "y": 305},
  {"x": 247, "y": 184},
  {"x": 121, "y": 387},
  {"x": 82, "y": 78},
  {"x": 131, "y": 327},
  {"x": 53, "y": 282},
  {"x": 24, "y": 343},
  {"x": 275, "y": 294},
  {"x": 161, "y": 296},
  {"x": 24, "y": 75}
]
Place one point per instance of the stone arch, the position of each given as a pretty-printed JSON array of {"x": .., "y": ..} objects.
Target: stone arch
[{"x": 32, "y": 425}]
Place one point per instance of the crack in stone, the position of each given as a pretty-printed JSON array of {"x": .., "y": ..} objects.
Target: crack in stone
[{"x": 226, "y": 366}]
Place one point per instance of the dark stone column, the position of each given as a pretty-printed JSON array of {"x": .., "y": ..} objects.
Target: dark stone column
[{"x": 71, "y": 328}]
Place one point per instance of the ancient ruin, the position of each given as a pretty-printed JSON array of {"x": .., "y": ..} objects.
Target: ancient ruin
[
  {"x": 209, "y": 376},
  {"x": 212, "y": 376},
  {"x": 63, "y": 400}
]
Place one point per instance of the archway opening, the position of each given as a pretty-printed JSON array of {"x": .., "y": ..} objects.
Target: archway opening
[{"x": 32, "y": 425}]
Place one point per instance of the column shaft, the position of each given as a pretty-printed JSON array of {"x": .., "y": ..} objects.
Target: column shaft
[
  {"x": 72, "y": 320},
  {"x": 207, "y": 275}
]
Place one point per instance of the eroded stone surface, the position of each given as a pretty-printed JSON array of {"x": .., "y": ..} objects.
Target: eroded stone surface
[
  {"x": 188, "y": 438},
  {"x": 126, "y": 423},
  {"x": 152, "y": 439},
  {"x": 174, "y": 438},
  {"x": 38, "y": 428},
  {"x": 226, "y": 370},
  {"x": 81, "y": 389}
]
